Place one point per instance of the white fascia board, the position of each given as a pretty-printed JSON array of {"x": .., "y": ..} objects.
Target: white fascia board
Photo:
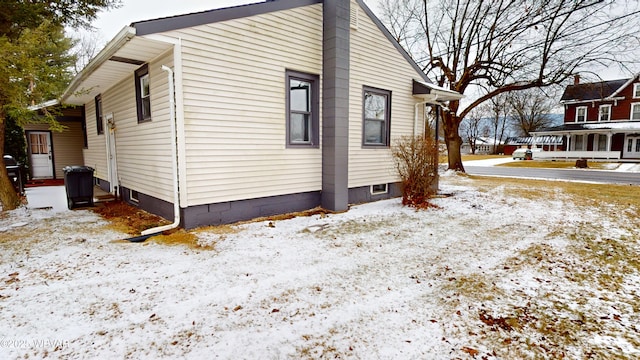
[{"x": 127, "y": 33}]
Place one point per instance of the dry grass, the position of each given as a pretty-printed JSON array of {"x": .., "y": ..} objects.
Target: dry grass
[
  {"x": 443, "y": 158},
  {"x": 127, "y": 218},
  {"x": 583, "y": 193},
  {"x": 551, "y": 164},
  {"x": 181, "y": 238},
  {"x": 470, "y": 157},
  {"x": 510, "y": 320}
]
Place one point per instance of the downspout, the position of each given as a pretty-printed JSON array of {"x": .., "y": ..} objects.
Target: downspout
[{"x": 174, "y": 164}]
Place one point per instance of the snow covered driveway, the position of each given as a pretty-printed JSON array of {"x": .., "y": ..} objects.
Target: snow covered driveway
[{"x": 487, "y": 274}]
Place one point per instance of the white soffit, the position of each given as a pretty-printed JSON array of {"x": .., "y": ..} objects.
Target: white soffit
[{"x": 118, "y": 60}]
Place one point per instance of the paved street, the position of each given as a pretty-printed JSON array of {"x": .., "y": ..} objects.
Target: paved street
[
  {"x": 588, "y": 175},
  {"x": 628, "y": 173}
]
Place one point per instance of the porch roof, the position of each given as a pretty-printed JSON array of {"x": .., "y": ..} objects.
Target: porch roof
[
  {"x": 592, "y": 128},
  {"x": 530, "y": 140},
  {"x": 433, "y": 93},
  {"x": 118, "y": 60}
]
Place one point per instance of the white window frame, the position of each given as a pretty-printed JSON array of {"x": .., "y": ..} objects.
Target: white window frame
[
  {"x": 636, "y": 91},
  {"x": 578, "y": 113},
  {"x": 633, "y": 105},
  {"x": 376, "y": 189},
  {"x": 608, "y": 107},
  {"x": 134, "y": 196}
]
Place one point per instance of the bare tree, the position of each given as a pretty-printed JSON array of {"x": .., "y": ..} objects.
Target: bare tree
[
  {"x": 530, "y": 110},
  {"x": 498, "y": 119},
  {"x": 86, "y": 47},
  {"x": 472, "y": 128},
  {"x": 505, "y": 46}
]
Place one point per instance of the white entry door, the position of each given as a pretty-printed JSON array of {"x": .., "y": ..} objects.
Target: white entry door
[
  {"x": 632, "y": 147},
  {"x": 41, "y": 154}
]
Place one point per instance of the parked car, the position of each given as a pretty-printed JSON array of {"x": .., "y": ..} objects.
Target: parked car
[{"x": 524, "y": 154}]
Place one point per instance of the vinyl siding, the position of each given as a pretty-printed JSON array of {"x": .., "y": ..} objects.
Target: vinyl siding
[
  {"x": 143, "y": 150},
  {"x": 375, "y": 62},
  {"x": 234, "y": 105},
  {"x": 95, "y": 155}
]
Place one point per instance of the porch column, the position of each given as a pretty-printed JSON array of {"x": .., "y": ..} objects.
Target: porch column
[
  {"x": 609, "y": 135},
  {"x": 335, "y": 105}
]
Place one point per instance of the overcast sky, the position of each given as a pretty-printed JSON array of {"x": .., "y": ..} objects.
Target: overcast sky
[{"x": 110, "y": 23}]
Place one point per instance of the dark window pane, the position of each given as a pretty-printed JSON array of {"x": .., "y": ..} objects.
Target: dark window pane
[{"x": 146, "y": 108}]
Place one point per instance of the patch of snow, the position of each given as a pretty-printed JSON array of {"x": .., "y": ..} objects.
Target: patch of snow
[{"x": 374, "y": 282}]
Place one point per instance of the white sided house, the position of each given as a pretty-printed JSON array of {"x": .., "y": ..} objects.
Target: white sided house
[{"x": 253, "y": 110}]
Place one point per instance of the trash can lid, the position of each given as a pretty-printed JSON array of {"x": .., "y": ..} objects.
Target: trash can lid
[{"x": 77, "y": 168}]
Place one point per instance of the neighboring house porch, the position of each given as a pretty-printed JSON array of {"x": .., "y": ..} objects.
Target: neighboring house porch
[
  {"x": 607, "y": 141},
  {"x": 50, "y": 151},
  {"x": 601, "y": 120}
]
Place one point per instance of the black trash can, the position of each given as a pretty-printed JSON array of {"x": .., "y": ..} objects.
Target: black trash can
[
  {"x": 78, "y": 182},
  {"x": 14, "y": 170}
]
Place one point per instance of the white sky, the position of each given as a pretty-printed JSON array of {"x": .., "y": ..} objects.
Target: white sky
[{"x": 110, "y": 23}]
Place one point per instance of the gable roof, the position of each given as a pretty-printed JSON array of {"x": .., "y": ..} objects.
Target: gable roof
[
  {"x": 176, "y": 22},
  {"x": 131, "y": 48},
  {"x": 236, "y": 12},
  {"x": 593, "y": 91}
]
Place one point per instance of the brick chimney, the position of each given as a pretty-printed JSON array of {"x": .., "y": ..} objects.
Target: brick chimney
[{"x": 576, "y": 79}]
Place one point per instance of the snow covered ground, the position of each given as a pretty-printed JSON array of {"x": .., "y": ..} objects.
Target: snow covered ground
[{"x": 487, "y": 274}]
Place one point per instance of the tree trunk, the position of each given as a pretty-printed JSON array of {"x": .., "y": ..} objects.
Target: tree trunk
[
  {"x": 453, "y": 140},
  {"x": 9, "y": 199}
]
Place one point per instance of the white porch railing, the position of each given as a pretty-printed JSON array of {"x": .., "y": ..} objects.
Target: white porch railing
[{"x": 576, "y": 155}]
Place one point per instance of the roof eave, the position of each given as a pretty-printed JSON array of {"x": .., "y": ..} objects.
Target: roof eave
[
  {"x": 127, "y": 33},
  {"x": 625, "y": 85},
  {"x": 434, "y": 94}
]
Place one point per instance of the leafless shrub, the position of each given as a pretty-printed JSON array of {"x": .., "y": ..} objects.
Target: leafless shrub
[{"x": 416, "y": 160}]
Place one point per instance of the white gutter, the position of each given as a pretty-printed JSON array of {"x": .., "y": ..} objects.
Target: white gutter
[{"x": 174, "y": 164}]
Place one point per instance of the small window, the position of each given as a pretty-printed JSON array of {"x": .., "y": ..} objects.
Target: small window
[
  {"x": 302, "y": 102},
  {"x": 99, "y": 119},
  {"x": 377, "y": 117},
  {"x": 629, "y": 145},
  {"x": 635, "y": 111},
  {"x": 636, "y": 90},
  {"x": 133, "y": 195},
  {"x": 581, "y": 114},
  {"x": 604, "y": 113},
  {"x": 379, "y": 189},
  {"x": 143, "y": 94}
]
